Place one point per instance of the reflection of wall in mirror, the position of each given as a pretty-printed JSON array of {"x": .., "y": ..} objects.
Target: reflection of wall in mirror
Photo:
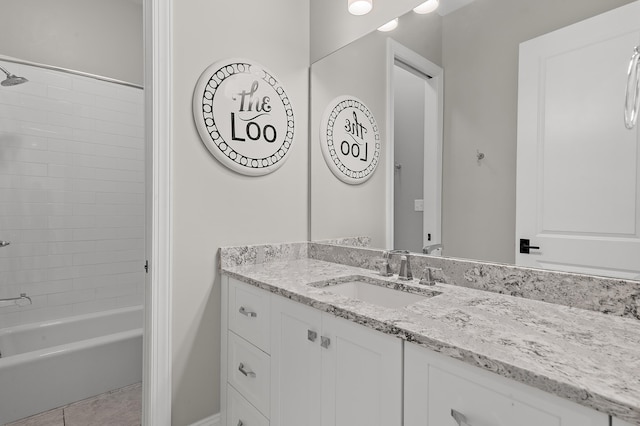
[
  {"x": 359, "y": 69},
  {"x": 480, "y": 58}
]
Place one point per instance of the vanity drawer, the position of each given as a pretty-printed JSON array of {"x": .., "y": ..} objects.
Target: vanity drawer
[
  {"x": 485, "y": 402},
  {"x": 249, "y": 313},
  {"x": 240, "y": 412},
  {"x": 249, "y": 371}
]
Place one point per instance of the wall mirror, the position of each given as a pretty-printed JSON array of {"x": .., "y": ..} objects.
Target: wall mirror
[{"x": 465, "y": 75}]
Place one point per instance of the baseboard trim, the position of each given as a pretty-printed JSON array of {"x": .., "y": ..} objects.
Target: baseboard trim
[{"x": 209, "y": 421}]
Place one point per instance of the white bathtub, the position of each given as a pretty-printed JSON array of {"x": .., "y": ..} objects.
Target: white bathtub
[{"x": 51, "y": 364}]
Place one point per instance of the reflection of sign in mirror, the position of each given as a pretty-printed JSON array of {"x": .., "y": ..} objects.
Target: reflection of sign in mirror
[
  {"x": 350, "y": 140},
  {"x": 243, "y": 116}
]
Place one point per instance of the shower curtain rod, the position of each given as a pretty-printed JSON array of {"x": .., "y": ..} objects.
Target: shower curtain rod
[{"x": 70, "y": 71}]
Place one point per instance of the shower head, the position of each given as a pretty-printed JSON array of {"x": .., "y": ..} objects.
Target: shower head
[{"x": 11, "y": 79}]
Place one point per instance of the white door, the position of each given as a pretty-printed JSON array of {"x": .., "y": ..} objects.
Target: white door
[
  {"x": 361, "y": 375},
  {"x": 578, "y": 185}
]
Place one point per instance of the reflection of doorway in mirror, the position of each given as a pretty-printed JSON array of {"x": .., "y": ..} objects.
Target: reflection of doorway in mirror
[{"x": 415, "y": 153}]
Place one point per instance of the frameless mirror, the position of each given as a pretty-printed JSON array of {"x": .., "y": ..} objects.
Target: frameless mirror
[{"x": 477, "y": 49}]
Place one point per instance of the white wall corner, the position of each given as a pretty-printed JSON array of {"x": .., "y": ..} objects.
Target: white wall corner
[{"x": 209, "y": 421}]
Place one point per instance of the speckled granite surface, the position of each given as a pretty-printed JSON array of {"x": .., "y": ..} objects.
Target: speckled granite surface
[
  {"x": 606, "y": 295},
  {"x": 581, "y": 355}
]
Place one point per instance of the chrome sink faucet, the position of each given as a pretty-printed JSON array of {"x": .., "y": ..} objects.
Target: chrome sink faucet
[{"x": 405, "y": 266}]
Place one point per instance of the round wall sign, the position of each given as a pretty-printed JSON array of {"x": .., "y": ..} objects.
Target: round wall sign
[
  {"x": 244, "y": 116},
  {"x": 350, "y": 140}
]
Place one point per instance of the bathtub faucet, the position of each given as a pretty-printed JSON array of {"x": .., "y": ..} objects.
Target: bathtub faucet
[{"x": 23, "y": 300}]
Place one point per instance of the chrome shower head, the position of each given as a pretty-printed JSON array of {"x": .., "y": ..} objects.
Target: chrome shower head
[{"x": 12, "y": 80}]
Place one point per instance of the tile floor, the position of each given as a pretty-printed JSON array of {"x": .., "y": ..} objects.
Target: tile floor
[{"x": 120, "y": 407}]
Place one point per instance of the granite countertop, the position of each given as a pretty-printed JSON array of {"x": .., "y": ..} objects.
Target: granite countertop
[{"x": 583, "y": 356}]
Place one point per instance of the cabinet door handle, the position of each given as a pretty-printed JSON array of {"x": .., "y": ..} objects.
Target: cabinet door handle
[
  {"x": 247, "y": 373},
  {"x": 4, "y": 243},
  {"x": 240, "y": 423},
  {"x": 312, "y": 335},
  {"x": 246, "y": 313},
  {"x": 325, "y": 342},
  {"x": 459, "y": 418}
]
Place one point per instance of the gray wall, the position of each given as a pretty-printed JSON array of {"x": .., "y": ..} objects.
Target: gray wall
[
  {"x": 480, "y": 58},
  {"x": 213, "y": 206},
  {"x": 94, "y": 36}
]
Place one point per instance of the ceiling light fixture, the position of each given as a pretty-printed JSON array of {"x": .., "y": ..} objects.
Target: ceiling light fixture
[
  {"x": 360, "y": 7},
  {"x": 389, "y": 26},
  {"x": 427, "y": 7}
]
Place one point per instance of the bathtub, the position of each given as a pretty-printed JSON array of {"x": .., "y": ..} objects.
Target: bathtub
[{"x": 54, "y": 363}]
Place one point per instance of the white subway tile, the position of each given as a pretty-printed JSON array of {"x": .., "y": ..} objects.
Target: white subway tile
[
  {"x": 72, "y": 191},
  {"x": 15, "y": 140},
  {"x": 95, "y": 281},
  {"x": 55, "y": 79},
  {"x": 47, "y": 287},
  {"x": 124, "y": 106},
  {"x": 95, "y": 306},
  {"x": 45, "y": 314},
  {"x": 119, "y": 198},
  {"x": 72, "y": 247},
  {"x": 71, "y": 222},
  {"x": 120, "y": 221},
  {"x": 20, "y": 249},
  {"x": 23, "y": 169},
  {"x": 135, "y": 299},
  {"x": 120, "y": 244},
  {"x": 130, "y": 94},
  {"x": 95, "y": 87},
  {"x": 69, "y": 95},
  {"x": 116, "y": 290},
  {"x": 70, "y": 297},
  {"x": 119, "y": 129},
  {"x": 23, "y": 222}
]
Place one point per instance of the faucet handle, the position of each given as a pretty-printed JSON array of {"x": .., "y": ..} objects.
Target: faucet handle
[
  {"x": 384, "y": 268},
  {"x": 429, "y": 275},
  {"x": 405, "y": 269}
]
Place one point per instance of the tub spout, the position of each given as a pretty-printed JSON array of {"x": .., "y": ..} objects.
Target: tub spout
[{"x": 23, "y": 300}]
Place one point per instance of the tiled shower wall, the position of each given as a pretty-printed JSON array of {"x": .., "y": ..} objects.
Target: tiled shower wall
[{"x": 72, "y": 195}]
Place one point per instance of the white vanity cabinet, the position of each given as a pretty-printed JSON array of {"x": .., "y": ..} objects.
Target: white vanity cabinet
[
  {"x": 245, "y": 358},
  {"x": 437, "y": 387},
  {"x": 287, "y": 364},
  {"x": 327, "y": 371}
]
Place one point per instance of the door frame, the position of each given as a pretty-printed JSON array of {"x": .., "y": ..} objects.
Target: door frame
[
  {"x": 156, "y": 389},
  {"x": 396, "y": 51}
]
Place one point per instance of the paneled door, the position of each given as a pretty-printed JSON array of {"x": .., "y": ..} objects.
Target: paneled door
[{"x": 578, "y": 184}]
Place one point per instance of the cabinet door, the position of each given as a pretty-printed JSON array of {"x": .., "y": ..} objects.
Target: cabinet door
[
  {"x": 295, "y": 363},
  {"x": 361, "y": 375},
  {"x": 443, "y": 384}
]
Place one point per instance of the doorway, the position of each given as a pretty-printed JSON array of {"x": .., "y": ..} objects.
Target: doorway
[{"x": 414, "y": 167}]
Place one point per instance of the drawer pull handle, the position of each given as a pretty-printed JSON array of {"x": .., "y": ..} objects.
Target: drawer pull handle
[
  {"x": 312, "y": 335},
  {"x": 325, "y": 342},
  {"x": 459, "y": 418},
  {"x": 246, "y": 313},
  {"x": 247, "y": 373}
]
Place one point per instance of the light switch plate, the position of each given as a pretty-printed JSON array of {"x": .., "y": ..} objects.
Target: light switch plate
[{"x": 418, "y": 205}]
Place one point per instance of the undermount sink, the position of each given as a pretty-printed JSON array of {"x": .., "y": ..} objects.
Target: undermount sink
[{"x": 376, "y": 292}]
